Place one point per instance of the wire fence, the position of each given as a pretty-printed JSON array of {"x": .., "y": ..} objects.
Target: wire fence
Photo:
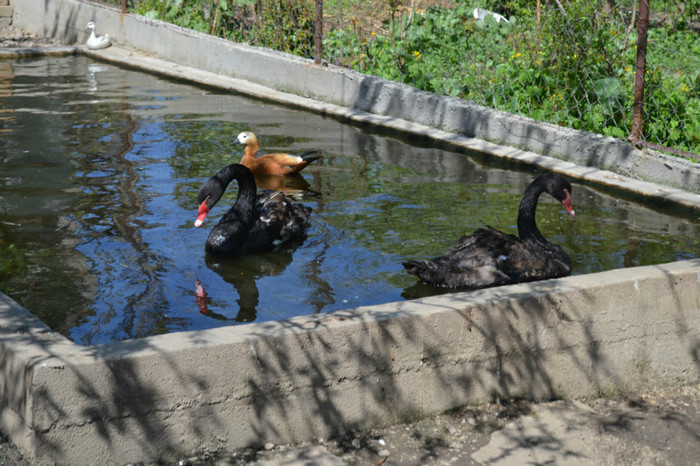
[{"x": 566, "y": 62}]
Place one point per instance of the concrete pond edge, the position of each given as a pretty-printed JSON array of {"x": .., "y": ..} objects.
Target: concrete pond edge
[
  {"x": 166, "y": 396},
  {"x": 163, "y": 397}
]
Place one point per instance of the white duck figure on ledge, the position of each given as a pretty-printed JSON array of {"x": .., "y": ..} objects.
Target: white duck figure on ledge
[{"x": 95, "y": 42}]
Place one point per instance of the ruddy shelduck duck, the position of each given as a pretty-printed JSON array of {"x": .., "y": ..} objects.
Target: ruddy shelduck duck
[{"x": 272, "y": 164}]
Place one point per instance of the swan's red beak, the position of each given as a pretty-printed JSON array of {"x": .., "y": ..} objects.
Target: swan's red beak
[
  {"x": 567, "y": 204},
  {"x": 201, "y": 213}
]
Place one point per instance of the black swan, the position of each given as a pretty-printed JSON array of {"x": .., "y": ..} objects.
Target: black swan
[
  {"x": 256, "y": 222},
  {"x": 492, "y": 258}
]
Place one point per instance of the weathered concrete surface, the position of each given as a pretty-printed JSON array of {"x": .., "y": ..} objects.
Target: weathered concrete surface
[
  {"x": 564, "y": 433},
  {"x": 345, "y": 93},
  {"x": 26, "y": 52},
  {"x": 309, "y": 377}
]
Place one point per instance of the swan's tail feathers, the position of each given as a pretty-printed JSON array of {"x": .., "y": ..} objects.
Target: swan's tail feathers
[{"x": 421, "y": 269}]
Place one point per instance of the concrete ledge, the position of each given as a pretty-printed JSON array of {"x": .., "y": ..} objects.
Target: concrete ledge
[
  {"x": 166, "y": 396},
  {"x": 25, "y": 52},
  {"x": 65, "y": 19}
]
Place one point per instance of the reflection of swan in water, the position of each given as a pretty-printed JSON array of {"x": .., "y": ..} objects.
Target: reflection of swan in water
[
  {"x": 243, "y": 272},
  {"x": 200, "y": 297},
  {"x": 421, "y": 290}
]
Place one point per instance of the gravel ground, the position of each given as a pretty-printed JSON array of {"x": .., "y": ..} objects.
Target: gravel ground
[{"x": 660, "y": 427}]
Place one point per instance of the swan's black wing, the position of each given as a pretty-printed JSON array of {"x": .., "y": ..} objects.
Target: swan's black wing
[
  {"x": 278, "y": 220},
  {"x": 472, "y": 262},
  {"x": 540, "y": 261},
  {"x": 275, "y": 220},
  {"x": 489, "y": 258}
]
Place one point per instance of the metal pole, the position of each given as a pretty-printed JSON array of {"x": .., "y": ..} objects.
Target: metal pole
[
  {"x": 639, "y": 74},
  {"x": 318, "y": 32}
]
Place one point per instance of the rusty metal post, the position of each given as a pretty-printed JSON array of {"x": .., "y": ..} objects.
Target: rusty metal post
[
  {"x": 124, "y": 6},
  {"x": 318, "y": 32},
  {"x": 639, "y": 74}
]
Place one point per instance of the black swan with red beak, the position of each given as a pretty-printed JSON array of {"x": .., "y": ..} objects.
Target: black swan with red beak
[
  {"x": 257, "y": 221},
  {"x": 489, "y": 257}
]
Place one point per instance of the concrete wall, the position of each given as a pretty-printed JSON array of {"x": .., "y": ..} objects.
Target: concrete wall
[
  {"x": 5, "y": 13},
  {"x": 281, "y": 73},
  {"x": 166, "y": 396}
]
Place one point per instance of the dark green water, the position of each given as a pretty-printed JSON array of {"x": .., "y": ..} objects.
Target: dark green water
[{"x": 99, "y": 174}]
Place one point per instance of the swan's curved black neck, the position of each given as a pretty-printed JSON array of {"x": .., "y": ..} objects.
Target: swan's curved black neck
[
  {"x": 527, "y": 227},
  {"x": 245, "y": 202}
]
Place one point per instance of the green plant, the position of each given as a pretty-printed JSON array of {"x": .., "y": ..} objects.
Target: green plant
[
  {"x": 286, "y": 25},
  {"x": 575, "y": 67},
  {"x": 570, "y": 63}
]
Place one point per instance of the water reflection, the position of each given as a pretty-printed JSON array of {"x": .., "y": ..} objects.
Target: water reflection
[
  {"x": 243, "y": 273},
  {"x": 6, "y": 76},
  {"x": 93, "y": 70},
  {"x": 100, "y": 173},
  {"x": 293, "y": 184}
]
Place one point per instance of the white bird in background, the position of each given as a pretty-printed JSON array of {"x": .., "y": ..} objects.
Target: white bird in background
[
  {"x": 96, "y": 42},
  {"x": 481, "y": 14}
]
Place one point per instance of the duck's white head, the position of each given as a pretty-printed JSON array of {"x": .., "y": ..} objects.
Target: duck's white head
[
  {"x": 246, "y": 138},
  {"x": 90, "y": 26}
]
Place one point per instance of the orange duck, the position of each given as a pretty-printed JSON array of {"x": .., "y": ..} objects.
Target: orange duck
[{"x": 272, "y": 164}]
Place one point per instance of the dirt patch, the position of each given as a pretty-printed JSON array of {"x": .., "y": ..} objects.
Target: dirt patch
[
  {"x": 660, "y": 427},
  {"x": 367, "y": 17}
]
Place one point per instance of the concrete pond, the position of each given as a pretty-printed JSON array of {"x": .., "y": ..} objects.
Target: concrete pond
[{"x": 164, "y": 396}]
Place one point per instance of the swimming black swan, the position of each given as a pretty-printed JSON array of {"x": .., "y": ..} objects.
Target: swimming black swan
[
  {"x": 256, "y": 222},
  {"x": 491, "y": 258}
]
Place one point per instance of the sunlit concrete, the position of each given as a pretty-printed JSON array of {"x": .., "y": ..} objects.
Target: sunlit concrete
[{"x": 167, "y": 396}]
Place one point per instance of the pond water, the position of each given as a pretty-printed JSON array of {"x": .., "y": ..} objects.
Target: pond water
[{"x": 98, "y": 185}]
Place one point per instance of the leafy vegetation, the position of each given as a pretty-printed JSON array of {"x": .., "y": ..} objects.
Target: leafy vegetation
[
  {"x": 574, "y": 66},
  {"x": 286, "y": 25},
  {"x": 570, "y": 63}
]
